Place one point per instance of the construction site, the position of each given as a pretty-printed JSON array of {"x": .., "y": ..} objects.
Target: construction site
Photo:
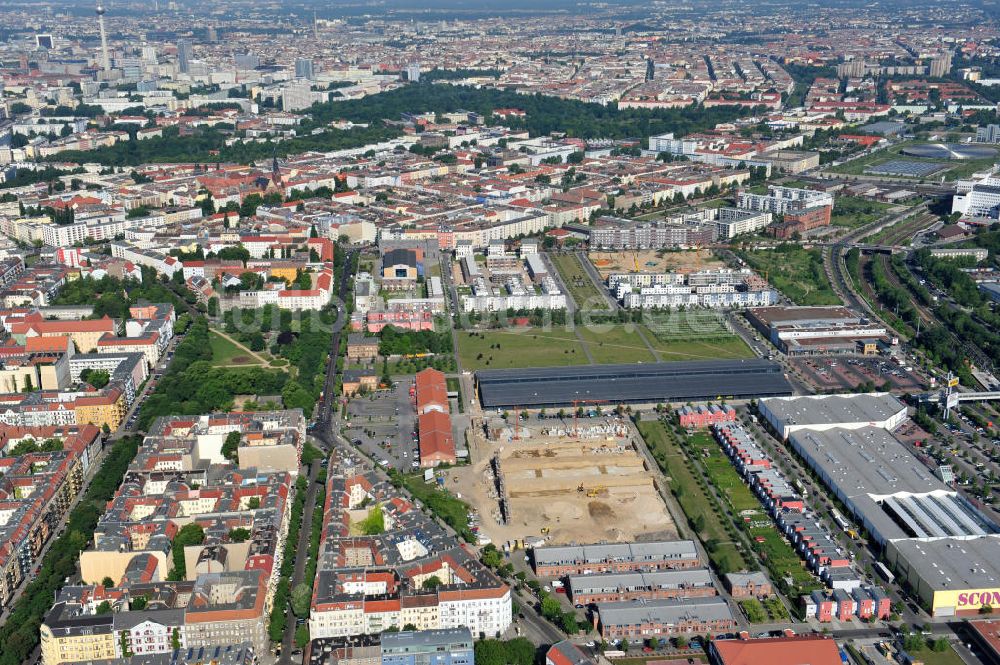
[
  {"x": 575, "y": 484},
  {"x": 654, "y": 261}
]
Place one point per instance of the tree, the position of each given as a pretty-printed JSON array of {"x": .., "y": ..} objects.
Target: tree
[
  {"x": 107, "y": 583},
  {"x": 301, "y": 598},
  {"x": 253, "y": 503},
  {"x": 302, "y": 636},
  {"x": 189, "y": 534},
  {"x": 239, "y": 534},
  {"x": 431, "y": 583},
  {"x": 104, "y": 608},
  {"x": 231, "y": 446},
  {"x": 624, "y": 645},
  {"x": 551, "y": 609},
  {"x": 409, "y": 627}
]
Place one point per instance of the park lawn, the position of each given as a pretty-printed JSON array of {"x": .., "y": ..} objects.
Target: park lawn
[
  {"x": 853, "y": 212},
  {"x": 931, "y": 657},
  {"x": 712, "y": 348},
  {"x": 581, "y": 287},
  {"x": 617, "y": 344},
  {"x": 521, "y": 348},
  {"x": 723, "y": 475},
  {"x": 782, "y": 560},
  {"x": 697, "y": 506},
  {"x": 225, "y": 352},
  {"x": 796, "y": 272}
]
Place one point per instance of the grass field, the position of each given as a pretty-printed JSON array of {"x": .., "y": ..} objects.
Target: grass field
[
  {"x": 616, "y": 344},
  {"x": 700, "y": 510},
  {"x": 852, "y": 212},
  {"x": 502, "y": 349},
  {"x": 730, "y": 346},
  {"x": 224, "y": 352},
  {"x": 931, "y": 657},
  {"x": 581, "y": 287},
  {"x": 783, "y": 561},
  {"x": 723, "y": 475},
  {"x": 796, "y": 272}
]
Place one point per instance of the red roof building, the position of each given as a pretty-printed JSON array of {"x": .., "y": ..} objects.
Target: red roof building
[{"x": 792, "y": 650}]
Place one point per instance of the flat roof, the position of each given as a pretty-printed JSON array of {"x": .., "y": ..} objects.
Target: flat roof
[
  {"x": 780, "y": 315},
  {"x": 629, "y": 613},
  {"x": 660, "y": 579},
  {"x": 654, "y": 550},
  {"x": 639, "y": 382},
  {"x": 879, "y": 479},
  {"x": 950, "y": 564},
  {"x": 834, "y": 410}
]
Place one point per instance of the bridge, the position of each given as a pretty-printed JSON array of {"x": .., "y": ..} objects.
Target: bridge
[{"x": 882, "y": 249}]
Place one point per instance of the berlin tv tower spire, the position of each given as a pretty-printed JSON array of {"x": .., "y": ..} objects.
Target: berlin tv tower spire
[{"x": 105, "y": 60}]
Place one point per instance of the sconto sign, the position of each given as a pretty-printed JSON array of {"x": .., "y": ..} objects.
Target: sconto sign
[{"x": 976, "y": 599}]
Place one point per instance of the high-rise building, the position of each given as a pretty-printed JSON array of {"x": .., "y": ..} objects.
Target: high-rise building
[
  {"x": 988, "y": 134},
  {"x": 212, "y": 34},
  {"x": 304, "y": 68},
  {"x": 184, "y": 55},
  {"x": 941, "y": 65},
  {"x": 105, "y": 58},
  {"x": 43, "y": 41},
  {"x": 413, "y": 72},
  {"x": 247, "y": 60}
]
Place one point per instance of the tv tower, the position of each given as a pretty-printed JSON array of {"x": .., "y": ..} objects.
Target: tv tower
[{"x": 105, "y": 60}]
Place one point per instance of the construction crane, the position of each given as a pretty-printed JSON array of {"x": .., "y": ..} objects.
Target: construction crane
[{"x": 576, "y": 410}]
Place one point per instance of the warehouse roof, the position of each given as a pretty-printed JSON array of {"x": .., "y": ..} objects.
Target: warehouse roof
[
  {"x": 949, "y": 564},
  {"x": 881, "y": 480},
  {"x": 781, "y": 315},
  {"x": 640, "y": 382},
  {"x": 661, "y": 579},
  {"x": 664, "y": 611},
  {"x": 651, "y": 551},
  {"x": 834, "y": 409}
]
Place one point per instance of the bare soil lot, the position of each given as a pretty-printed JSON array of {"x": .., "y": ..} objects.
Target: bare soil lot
[
  {"x": 654, "y": 261},
  {"x": 578, "y": 490}
]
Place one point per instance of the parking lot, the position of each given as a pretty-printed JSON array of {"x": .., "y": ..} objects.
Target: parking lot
[
  {"x": 848, "y": 372},
  {"x": 384, "y": 425}
]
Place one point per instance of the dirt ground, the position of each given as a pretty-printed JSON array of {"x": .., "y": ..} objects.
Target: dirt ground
[
  {"x": 651, "y": 260},
  {"x": 544, "y": 477}
]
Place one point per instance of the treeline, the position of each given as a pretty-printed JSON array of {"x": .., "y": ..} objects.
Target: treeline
[
  {"x": 193, "y": 386},
  {"x": 19, "y": 634},
  {"x": 25, "y": 177},
  {"x": 395, "y": 342},
  {"x": 457, "y": 74},
  {"x": 208, "y": 145},
  {"x": 544, "y": 114},
  {"x": 113, "y": 297}
]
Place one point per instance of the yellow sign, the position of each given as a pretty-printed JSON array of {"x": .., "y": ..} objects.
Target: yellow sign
[
  {"x": 968, "y": 599},
  {"x": 953, "y": 382}
]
